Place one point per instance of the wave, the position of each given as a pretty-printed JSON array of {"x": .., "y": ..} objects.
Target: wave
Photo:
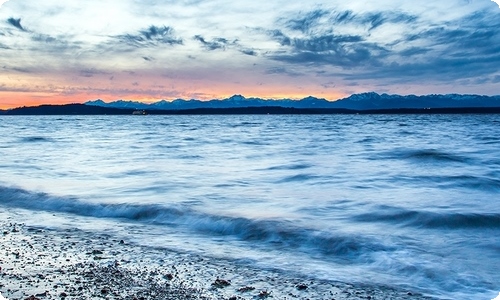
[
  {"x": 432, "y": 220},
  {"x": 298, "y": 178},
  {"x": 298, "y": 166},
  {"x": 278, "y": 234},
  {"x": 425, "y": 155},
  {"x": 35, "y": 139},
  {"x": 484, "y": 183}
]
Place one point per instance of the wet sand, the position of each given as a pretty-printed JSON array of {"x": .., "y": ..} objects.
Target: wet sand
[{"x": 45, "y": 264}]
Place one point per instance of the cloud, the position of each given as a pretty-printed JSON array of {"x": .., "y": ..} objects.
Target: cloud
[
  {"x": 91, "y": 72},
  {"x": 338, "y": 50},
  {"x": 151, "y": 37},
  {"x": 220, "y": 43},
  {"x": 306, "y": 22},
  {"x": 16, "y": 23},
  {"x": 282, "y": 70},
  {"x": 292, "y": 45},
  {"x": 17, "y": 69},
  {"x": 325, "y": 20},
  {"x": 250, "y": 52},
  {"x": 215, "y": 43},
  {"x": 340, "y": 38},
  {"x": 455, "y": 49},
  {"x": 43, "y": 38}
]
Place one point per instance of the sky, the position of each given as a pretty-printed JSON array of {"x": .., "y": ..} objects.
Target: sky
[{"x": 71, "y": 51}]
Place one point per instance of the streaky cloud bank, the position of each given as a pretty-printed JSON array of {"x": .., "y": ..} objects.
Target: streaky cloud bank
[
  {"x": 364, "y": 101},
  {"x": 59, "y": 52}
]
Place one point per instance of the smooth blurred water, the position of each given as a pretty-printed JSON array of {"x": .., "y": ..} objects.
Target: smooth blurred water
[{"x": 399, "y": 200}]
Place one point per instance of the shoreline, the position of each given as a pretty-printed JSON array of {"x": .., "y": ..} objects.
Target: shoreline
[{"x": 43, "y": 264}]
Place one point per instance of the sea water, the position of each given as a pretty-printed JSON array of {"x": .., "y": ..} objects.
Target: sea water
[{"x": 410, "y": 201}]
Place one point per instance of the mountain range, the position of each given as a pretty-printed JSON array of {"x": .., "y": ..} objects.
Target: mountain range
[{"x": 364, "y": 101}]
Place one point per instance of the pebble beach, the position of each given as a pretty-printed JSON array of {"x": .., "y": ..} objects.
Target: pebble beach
[{"x": 39, "y": 263}]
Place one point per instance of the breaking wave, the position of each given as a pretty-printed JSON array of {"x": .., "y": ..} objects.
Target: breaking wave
[
  {"x": 433, "y": 220},
  {"x": 279, "y": 234}
]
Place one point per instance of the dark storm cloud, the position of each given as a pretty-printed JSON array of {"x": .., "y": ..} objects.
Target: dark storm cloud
[
  {"x": 215, "y": 43},
  {"x": 151, "y": 37},
  {"x": 16, "y": 23}
]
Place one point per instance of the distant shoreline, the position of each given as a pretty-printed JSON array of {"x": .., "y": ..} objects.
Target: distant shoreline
[{"x": 82, "y": 109}]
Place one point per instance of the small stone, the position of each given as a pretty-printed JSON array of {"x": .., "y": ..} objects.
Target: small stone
[
  {"x": 264, "y": 294},
  {"x": 301, "y": 287},
  {"x": 246, "y": 289},
  {"x": 220, "y": 283}
]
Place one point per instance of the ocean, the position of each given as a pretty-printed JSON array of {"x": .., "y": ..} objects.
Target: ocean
[{"x": 396, "y": 200}]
